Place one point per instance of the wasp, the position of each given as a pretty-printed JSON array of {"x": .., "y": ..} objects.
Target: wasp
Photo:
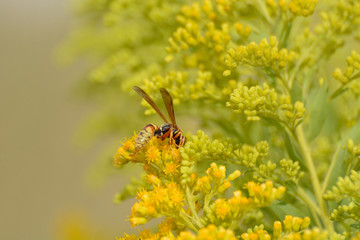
[{"x": 167, "y": 130}]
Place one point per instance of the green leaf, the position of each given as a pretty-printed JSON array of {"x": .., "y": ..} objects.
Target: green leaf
[
  {"x": 296, "y": 93},
  {"x": 338, "y": 93},
  {"x": 317, "y": 108},
  {"x": 293, "y": 154}
]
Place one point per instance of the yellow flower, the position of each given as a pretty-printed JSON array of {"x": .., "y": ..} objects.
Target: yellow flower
[
  {"x": 211, "y": 232},
  {"x": 159, "y": 194},
  {"x": 129, "y": 144},
  {"x": 146, "y": 234},
  {"x": 302, "y": 7},
  {"x": 135, "y": 221},
  {"x": 166, "y": 226},
  {"x": 203, "y": 184},
  {"x": 171, "y": 168},
  {"x": 175, "y": 194},
  {"x": 128, "y": 237},
  {"x": 153, "y": 154},
  {"x": 222, "y": 209},
  {"x": 357, "y": 237},
  {"x": 152, "y": 179}
]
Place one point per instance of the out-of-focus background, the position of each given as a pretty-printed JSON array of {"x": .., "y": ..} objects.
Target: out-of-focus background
[{"x": 43, "y": 187}]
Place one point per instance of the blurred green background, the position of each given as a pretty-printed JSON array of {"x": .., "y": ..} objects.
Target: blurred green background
[{"x": 44, "y": 193}]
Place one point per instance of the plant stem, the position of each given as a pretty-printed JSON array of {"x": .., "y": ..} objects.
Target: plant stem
[
  {"x": 186, "y": 219},
  {"x": 313, "y": 176},
  {"x": 308, "y": 201},
  {"x": 342, "y": 88},
  {"x": 191, "y": 205},
  {"x": 264, "y": 11},
  {"x": 331, "y": 168},
  {"x": 285, "y": 33}
]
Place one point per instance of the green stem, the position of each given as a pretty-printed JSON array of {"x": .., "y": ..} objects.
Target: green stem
[
  {"x": 338, "y": 91},
  {"x": 331, "y": 168},
  {"x": 285, "y": 33},
  {"x": 264, "y": 11},
  {"x": 192, "y": 207},
  {"x": 306, "y": 153},
  {"x": 312, "y": 206},
  {"x": 187, "y": 221},
  {"x": 342, "y": 88},
  {"x": 284, "y": 83},
  {"x": 303, "y": 57}
]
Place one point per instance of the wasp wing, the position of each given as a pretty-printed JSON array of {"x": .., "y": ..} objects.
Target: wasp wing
[
  {"x": 150, "y": 101},
  {"x": 168, "y": 104}
]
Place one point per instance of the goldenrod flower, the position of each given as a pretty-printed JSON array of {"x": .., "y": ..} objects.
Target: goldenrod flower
[
  {"x": 159, "y": 194},
  {"x": 171, "y": 168},
  {"x": 175, "y": 194},
  {"x": 128, "y": 237},
  {"x": 222, "y": 209},
  {"x": 153, "y": 154},
  {"x": 302, "y": 7},
  {"x": 166, "y": 226},
  {"x": 135, "y": 221},
  {"x": 265, "y": 54}
]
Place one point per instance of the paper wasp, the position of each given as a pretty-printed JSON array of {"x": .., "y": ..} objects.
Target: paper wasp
[{"x": 167, "y": 130}]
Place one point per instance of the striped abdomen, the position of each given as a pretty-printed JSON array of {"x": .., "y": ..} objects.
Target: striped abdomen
[
  {"x": 145, "y": 135},
  {"x": 174, "y": 134}
]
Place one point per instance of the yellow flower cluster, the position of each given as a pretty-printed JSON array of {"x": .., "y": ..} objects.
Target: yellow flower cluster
[
  {"x": 193, "y": 33},
  {"x": 266, "y": 54},
  {"x": 161, "y": 163},
  {"x": 353, "y": 160},
  {"x": 257, "y": 232},
  {"x": 210, "y": 232},
  {"x": 206, "y": 29},
  {"x": 156, "y": 154},
  {"x": 249, "y": 155},
  {"x": 163, "y": 200},
  {"x": 256, "y": 102},
  {"x": 296, "y": 7},
  {"x": 164, "y": 232},
  {"x": 292, "y": 228},
  {"x": 124, "y": 153},
  {"x": 345, "y": 187},
  {"x": 166, "y": 195},
  {"x": 348, "y": 189},
  {"x": 230, "y": 211},
  {"x": 200, "y": 146},
  {"x": 302, "y": 7},
  {"x": 352, "y": 70},
  {"x": 357, "y": 237},
  {"x": 343, "y": 19},
  {"x": 214, "y": 181},
  {"x": 291, "y": 169},
  {"x": 182, "y": 87}
]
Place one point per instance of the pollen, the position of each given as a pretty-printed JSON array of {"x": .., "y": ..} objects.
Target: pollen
[
  {"x": 166, "y": 226},
  {"x": 218, "y": 174},
  {"x": 171, "y": 168},
  {"x": 159, "y": 194},
  {"x": 222, "y": 209},
  {"x": 153, "y": 154},
  {"x": 129, "y": 145},
  {"x": 177, "y": 197}
]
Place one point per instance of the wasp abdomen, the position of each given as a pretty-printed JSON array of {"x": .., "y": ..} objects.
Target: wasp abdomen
[{"x": 145, "y": 136}]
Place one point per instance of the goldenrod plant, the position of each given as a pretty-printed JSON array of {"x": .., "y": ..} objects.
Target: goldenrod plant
[{"x": 272, "y": 87}]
